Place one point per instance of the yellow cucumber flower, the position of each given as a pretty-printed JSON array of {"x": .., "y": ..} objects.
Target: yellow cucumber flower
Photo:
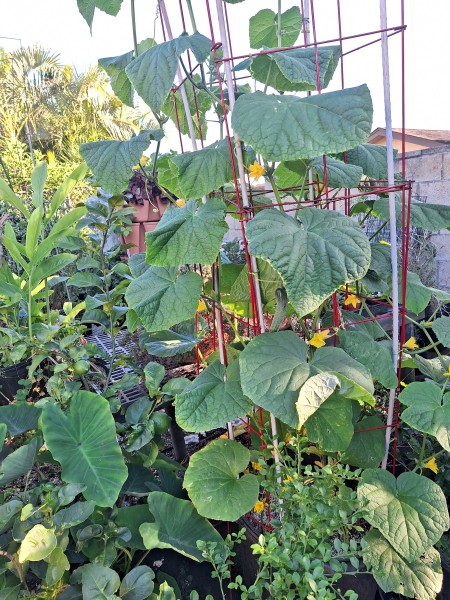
[
  {"x": 259, "y": 506},
  {"x": 256, "y": 170},
  {"x": 432, "y": 465},
  {"x": 353, "y": 300},
  {"x": 411, "y": 344},
  {"x": 318, "y": 339}
]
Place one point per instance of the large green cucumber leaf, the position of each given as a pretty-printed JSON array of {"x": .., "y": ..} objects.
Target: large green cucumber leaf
[
  {"x": 371, "y": 158},
  {"x": 286, "y": 127},
  {"x": 355, "y": 381},
  {"x": 367, "y": 448},
  {"x": 441, "y": 328},
  {"x": 19, "y": 462},
  {"x": 339, "y": 173},
  {"x": 375, "y": 355},
  {"x": 431, "y": 367},
  {"x": 177, "y": 525},
  {"x": 19, "y": 417},
  {"x": 410, "y": 511},
  {"x": 188, "y": 235},
  {"x": 171, "y": 342},
  {"x": 84, "y": 442},
  {"x": 330, "y": 427},
  {"x": 314, "y": 254},
  {"x": 419, "y": 295},
  {"x": 87, "y": 8},
  {"x": 273, "y": 369},
  {"x": 378, "y": 277},
  {"x": 212, "y": 484},
  {"x": 428, "y": 410},
  {"x": 291, "y": 173},
  {"x": 420, "y": 579},
  {"x": 200, "y": 172},
  {"x": 263, "y": 28},
  {"x": 209, "y": 401},
  {"x": 112, "y": 161},
  {"x": 313, "y": 394},
  {"x": 431, "y": 217},
  {"x": 295, "y": 70},
  {"x": 162, "y": 297},
  {"x": 115, "y": 68},
  {"x": 168, "y": 175},
  {"x": 153, "y": 72}
]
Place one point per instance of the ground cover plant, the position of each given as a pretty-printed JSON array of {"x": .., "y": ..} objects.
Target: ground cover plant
[{"x": 82, "y": 536}]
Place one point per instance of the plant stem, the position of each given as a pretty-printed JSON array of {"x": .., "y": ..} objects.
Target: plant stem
[
  {"x": 16, "y": 566},
  {"x": 422, "y": 449},
  {"x": 279, "y": 24},
  {"x": 191, "y": 16},
  {"x": 430, "y": 339},
  {"x": 275, "y": 189},
  {"x": 378, "y": 231},
  {"x": 133, "y": 25}
]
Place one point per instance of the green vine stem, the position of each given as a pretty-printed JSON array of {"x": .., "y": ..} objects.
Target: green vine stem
[
  {"x": 274, "y": 186},
  {"x": 430, "y": 339},
  {"x": 133, "y": 25},
  {"x": 279, "y": 24}
]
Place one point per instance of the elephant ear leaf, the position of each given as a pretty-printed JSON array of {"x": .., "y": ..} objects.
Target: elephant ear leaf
[{"x": 84, "y": 442}]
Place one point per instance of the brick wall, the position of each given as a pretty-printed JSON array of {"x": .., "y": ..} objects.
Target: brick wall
[{"x": 430, "y": 170}]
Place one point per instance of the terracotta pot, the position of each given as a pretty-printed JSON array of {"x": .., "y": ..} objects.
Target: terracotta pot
[
  {"x": 134, "y": 237},
  {"x": 142, "y": 212},
  {"x": 163, "y": 203},
  {"x": 150, "y": 226}
]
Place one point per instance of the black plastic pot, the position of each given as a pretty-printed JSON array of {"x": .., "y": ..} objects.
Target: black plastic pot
[{"x": 9, "y": 380}]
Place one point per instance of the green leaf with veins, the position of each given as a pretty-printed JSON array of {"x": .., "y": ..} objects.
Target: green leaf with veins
[
  {"x": 331, "y": 425},
  {"x": 273, "y": 369},
  {"x": 38, "y": 543},
  {"x": 115, "y": 68},
  {"x": 420, "y": 579},
  {"x": 171, "y": 342},
  {"x": 410, "y": 511},
  {"x": 287, "y": 127},
  {"x": 111, "y": 161},
  {"x": 162, "y": 297},
  {"x": 188, "y": 235},
  {"x": 200, "y": 172},
  {"x": 375, "y": 355},
  {"x": 291, "y": 173},
  {"x": 379, "y": 274},
  {"x": 314, "y": 254},
  {"x": 295, "y": 70},
  {"x": 167, "y": 175},
  {"x": 367, "y": 448},
  {"x": 339, "y": 174},
  {"x": 173, "y": 107},
  {"x": 153, "y": 72},
  {"x": 177, "y": 525},
  {"x": 99, "y": 583},
  {"x": 87, "y": 8},
  {"x": 432, "y": 367},
  {"x": 313, "y": 394},
  {"x": 211, "y": 399},
  {"x": 212, "y": 482},
  {"x": 263, "y": 28},
  {"x": 269, "y": 281},
  {"x": 441, "y": 328},
  {"x": 84, "y": 442},
  {"x": 137, "y": 584},
  {"x": 431, "y": 217},
  {"x": 418, "y": 295},
  {"x": 428, "y": 410},
  {"x": 371, "y": 158}
]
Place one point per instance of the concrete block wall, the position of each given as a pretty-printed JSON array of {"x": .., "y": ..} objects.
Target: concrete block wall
[{"x": 430, "y": 170}]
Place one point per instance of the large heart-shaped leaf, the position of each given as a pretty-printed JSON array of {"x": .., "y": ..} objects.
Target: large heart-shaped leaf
[
  {"x": 177, "y": 525},
  {"x": 331, "y": 427},
  {"x": 84, "y": 442},
  {"x": 420, "y": 579},
  {"x": 170, "y": 342},
  {"x": 314, "y": 254},
  {"x": 441, "y": 328},
  {"x": 427, "y": 410},
  {"x": 367, "y": 448},
  {"x": 339, "y": 174},
  {"x": 153, "y": 72},
  {"x": 371, "y": 158},
  {"x": 431, "y": 217},
  {"x": 200, "y": 172},
  {"x": 273, "y": 369},
  {"x": 112, "y": 161},
  {"x": 375, "y": 355},
  {"x": 212, "y": 484},
  {"x": 263, "y": 30},
  {"x": 137, "y": 583},
  {"x": 188, "y": 235},
  {"x": 209, "y": 401},
  {"x": 295, "y": 70},
  {"x": 19, "y": 417},
  {"x": 410, "y": 511},
  {"x": 162, "y": 297},
  {"x": 291, "y": 173},
  {"x": 313, "y": 394},
  {"x": 87, "y": 8},
  {"x": 99, "y": 583},
  {"x": 286, "y": 127},
  {"x": 115, "y": 68},
  {"x": 38, "y": 543}
]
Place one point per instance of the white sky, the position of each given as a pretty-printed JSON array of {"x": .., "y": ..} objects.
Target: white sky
[{"x": 58, "y": 25}]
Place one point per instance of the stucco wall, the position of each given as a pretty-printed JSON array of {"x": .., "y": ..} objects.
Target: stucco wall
[{"x": 430, "y": 170}]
